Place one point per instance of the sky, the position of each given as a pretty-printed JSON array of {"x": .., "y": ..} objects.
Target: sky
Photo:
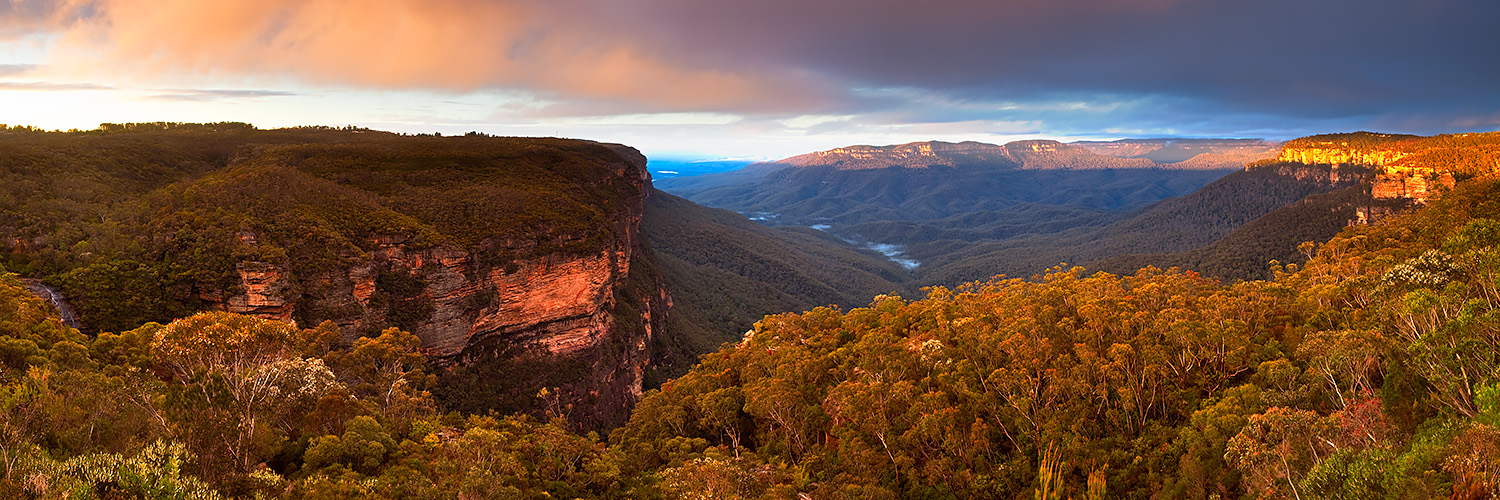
[{"x": 761, "y": 79}]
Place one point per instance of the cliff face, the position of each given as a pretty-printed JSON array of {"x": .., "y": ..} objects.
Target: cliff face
[
  {"x": 263, "y": 290},
  {"x": 590, "y": 300},
  {"x": 1329, "y": 154},
  {"x": 517, "y": 261},
  {"x": 1417, "y": 185},
  {"x": 1402, "y": 174},
  {"x": 1334, "y": 176}
]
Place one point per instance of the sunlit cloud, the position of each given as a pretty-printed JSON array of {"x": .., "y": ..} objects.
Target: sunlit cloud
[
  {"x": 34, "y": 86},
  {"x": 761, "y": 78},
  {"x": 649, "y": 119},
  {"x": 452, "y": 45},
  {"x": 218, "y": 94},
  {"x": 15, "y": 69},
  {"x": 810, "y": 121}
]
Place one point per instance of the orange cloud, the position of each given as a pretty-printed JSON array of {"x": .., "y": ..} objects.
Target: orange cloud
[{"x": 459, "y": 45}]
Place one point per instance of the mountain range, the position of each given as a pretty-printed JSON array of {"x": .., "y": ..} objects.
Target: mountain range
[
  {"x": 965, "y": 211},
  {"x": 325, "y": 313}
]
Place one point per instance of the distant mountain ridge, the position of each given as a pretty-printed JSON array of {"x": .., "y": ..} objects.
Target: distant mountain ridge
[
  {"x": 1044, "y": 154},
  {"x": 969, "y": 210},
  {"x": 1186, "y": 153},
  {"x": 1029, "y": 155},
  {"x": 931, "y": 180}
]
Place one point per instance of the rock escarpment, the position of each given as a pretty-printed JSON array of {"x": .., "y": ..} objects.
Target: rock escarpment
[
  {"x": 517, "y": 261},
  {"x": 1407, "y": 170},
  {"x": 1397, "y": 177},
  {"x": 588, "y": 299}
]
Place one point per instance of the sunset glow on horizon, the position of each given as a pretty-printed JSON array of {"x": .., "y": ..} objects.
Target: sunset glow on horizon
[{"x": 758, "y": 79}]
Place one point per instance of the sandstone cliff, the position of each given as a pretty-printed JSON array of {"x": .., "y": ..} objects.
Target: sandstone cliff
[
  {"x": 497, "y": 252},
  {"x": 504, "y": 296},
  {"x": 1404, "y": 173}
]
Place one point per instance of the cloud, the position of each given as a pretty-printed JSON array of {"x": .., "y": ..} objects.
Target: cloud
[
  {"x": 49, "y": 86},
  {"x": 219, "y": 94},
  {"x": 1060, "y": 65},
  {"x": 15, "y": 69},
  {"x": 454, "y": 45},
  {"x": 1311, "y": 60},
  {"x": 22, "y": 17}
]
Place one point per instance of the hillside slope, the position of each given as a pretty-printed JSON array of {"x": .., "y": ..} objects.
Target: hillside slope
[
  {"x": 935, "y": 180},
  {"x": 725, "y": 272},
  {"x": 1400, "y": 172},
  {"x": 1172, "y": 225},
  {"x": 967, "y": 211},
  {"x": 491, "y": 250},
  {"x": 1353, "y": 377}
]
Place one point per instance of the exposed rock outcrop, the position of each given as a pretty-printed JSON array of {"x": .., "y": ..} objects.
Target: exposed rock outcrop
[
  {"x": 1332, "y": 154},
  {"x": 566, "y": 297},
  {"x": 1417, "y": 185},
  {"x": 1402, "y": 175},
  {"x": 264, "y": 290}
]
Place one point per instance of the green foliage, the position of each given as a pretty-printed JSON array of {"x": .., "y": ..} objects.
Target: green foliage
[
  {"x": 714, "y": 478},
  {"x": 1358, "y": 141},
  {"x": 508, "y": 383},
  {"x": 363, "y": 447},
  {"x": 154, "y": 473},
  {"x": 389, "y": 370},
  {"x": 1368, "y": 372},
  {"x": 954, "y": 392},
  {"x": 118, "y": 295},
  {"x": 727, "y": 272},
  {"x": 29, "y": 336},
  {"x": 1172, "y": 383},
  {"x": 150, "y": 222},
  {"x": 1487, "y": 398},
  {"x": 401, "y": 294}
]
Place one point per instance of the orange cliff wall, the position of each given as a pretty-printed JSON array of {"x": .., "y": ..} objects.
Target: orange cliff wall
[
  {"x": 559, "y": 304},
  {"x": 1398, "y": 178},
  {"x": 1333, "y": 155}
]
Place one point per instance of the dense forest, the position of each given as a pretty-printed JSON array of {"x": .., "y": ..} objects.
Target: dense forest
[
  {"x": 1370, "y": 371},
  {"x": 972, "y": 216},
  {"x": 165, "y": 210},
  {"x": 141, "y": 223},
  {"x": 726, "y": 272},
  {"x": 1197, "y": 224}
]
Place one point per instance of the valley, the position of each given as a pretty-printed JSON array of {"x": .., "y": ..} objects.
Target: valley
[
  {"x": 313, "y": 312},
  {"x": 749, "y": 250},
  {"x": 476, "y": 245},
  {"x": 953, "y": 213}
]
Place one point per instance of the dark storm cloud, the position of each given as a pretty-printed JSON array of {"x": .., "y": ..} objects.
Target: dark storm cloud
[{"x": 1298, "y": 58}]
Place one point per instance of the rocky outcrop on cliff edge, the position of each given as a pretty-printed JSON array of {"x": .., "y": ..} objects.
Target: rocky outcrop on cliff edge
[
  {"x": 526, "y": 247},
  {"x": 559, "y": 299}
]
